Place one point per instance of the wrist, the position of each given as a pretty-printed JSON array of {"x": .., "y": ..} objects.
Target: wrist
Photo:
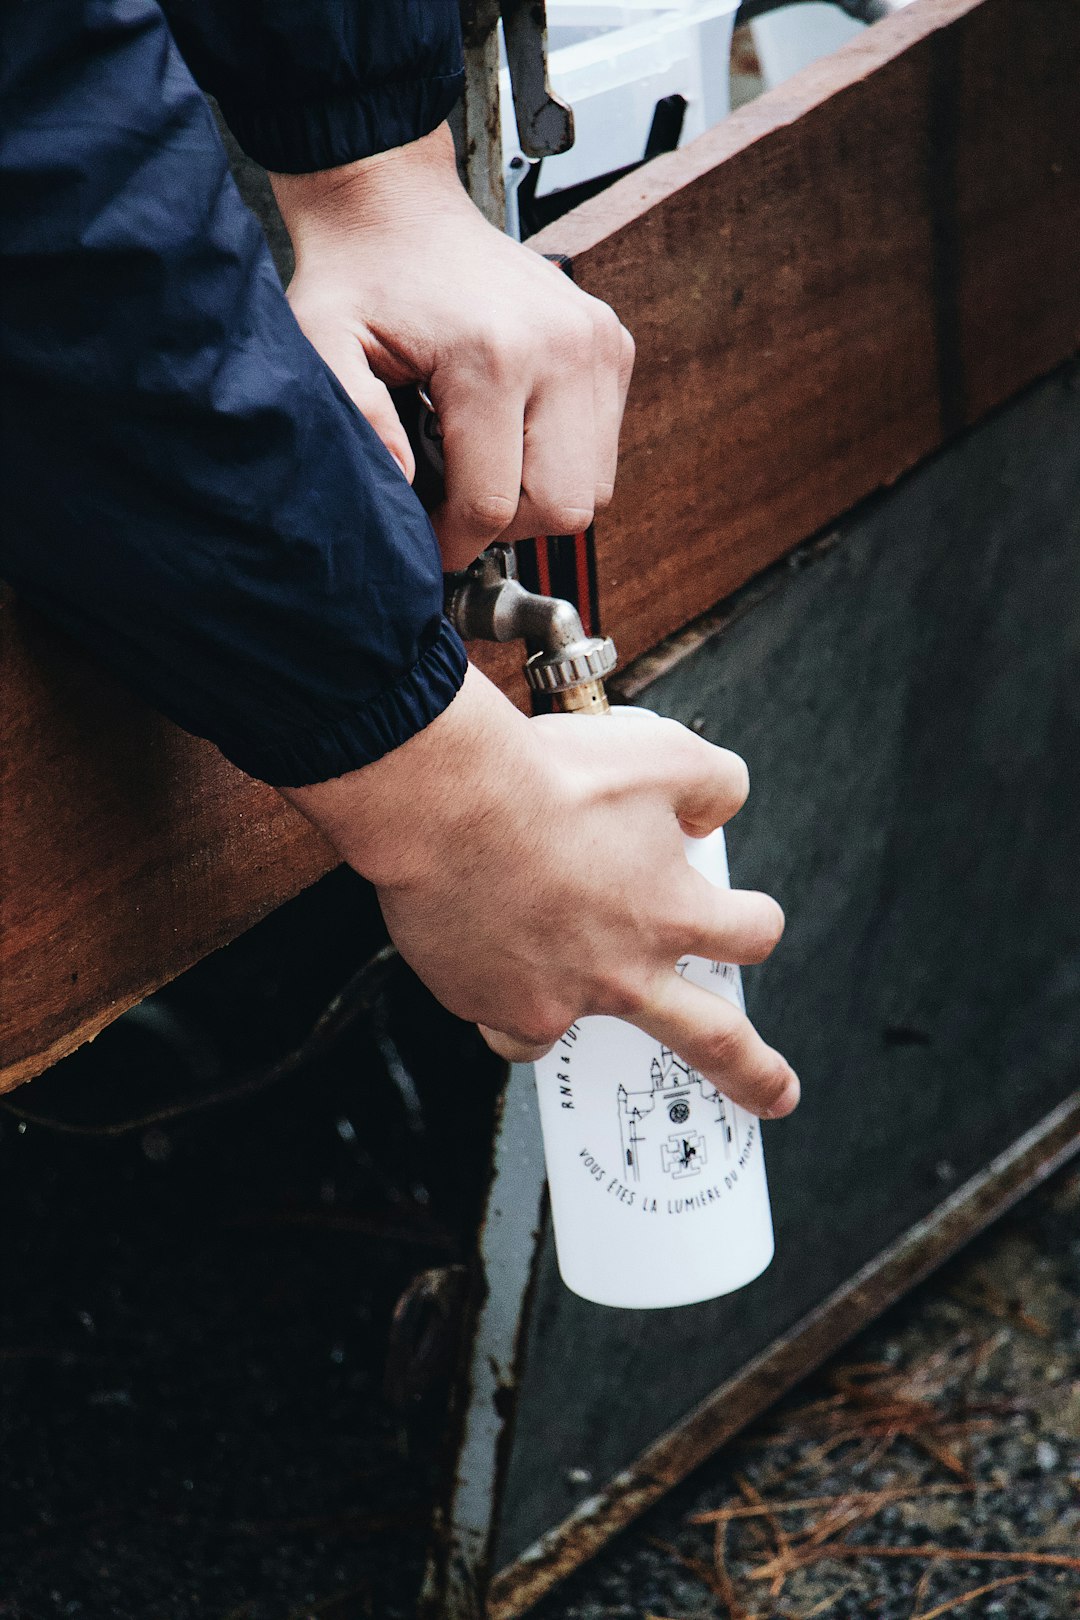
[
  {"x": 409, "y": 813},
  {"x": 374, "y": 191}
]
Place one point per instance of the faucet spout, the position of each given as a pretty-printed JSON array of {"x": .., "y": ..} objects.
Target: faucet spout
[{"x": 489, "y": 603}]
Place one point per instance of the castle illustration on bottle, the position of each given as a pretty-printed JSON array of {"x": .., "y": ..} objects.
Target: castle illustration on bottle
[{"x": 667, "y": 1126}]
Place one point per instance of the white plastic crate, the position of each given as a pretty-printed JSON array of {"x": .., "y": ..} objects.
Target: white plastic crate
[
  {"x": 613, "y": 62},
  {"x": 790, "y": 39}
]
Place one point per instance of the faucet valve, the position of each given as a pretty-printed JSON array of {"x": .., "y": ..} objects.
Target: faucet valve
[
  {"x": 490, "y": 603},
  {"x": 487, "y": 601},
  {"x": 573, "y": 677}
]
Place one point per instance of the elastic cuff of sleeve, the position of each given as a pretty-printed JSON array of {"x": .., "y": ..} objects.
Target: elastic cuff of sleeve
[
  {"x": 383, "y": 723},
  {"x": 307, "y": 137}
]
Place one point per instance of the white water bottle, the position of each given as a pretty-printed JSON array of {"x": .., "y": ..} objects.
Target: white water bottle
[{"x": 657, "y": 1181}]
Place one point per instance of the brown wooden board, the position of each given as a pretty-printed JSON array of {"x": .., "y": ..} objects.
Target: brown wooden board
[
  {"x": 823, "y": 288},
  {"x": 127, "y": 849},
  {"x": 826, "y": 286}
]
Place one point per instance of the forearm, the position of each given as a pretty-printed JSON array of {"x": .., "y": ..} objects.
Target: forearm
[{"x": 189, "y": 492}]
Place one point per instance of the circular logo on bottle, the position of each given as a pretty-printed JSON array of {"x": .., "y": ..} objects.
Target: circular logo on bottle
[{"x": 649, "y": 1130}]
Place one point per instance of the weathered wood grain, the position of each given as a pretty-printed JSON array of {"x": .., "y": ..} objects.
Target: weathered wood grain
[
  {"x": 827, "y": 286},
  {"x": 127, "y": 848},
  {"x": 823, "y": 290}
]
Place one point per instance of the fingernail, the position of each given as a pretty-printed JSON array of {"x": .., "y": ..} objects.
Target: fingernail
[{"x": 788, "y": 1099}]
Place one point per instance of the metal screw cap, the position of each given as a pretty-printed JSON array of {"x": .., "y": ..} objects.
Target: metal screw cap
[{"x": 588, "y": 660}]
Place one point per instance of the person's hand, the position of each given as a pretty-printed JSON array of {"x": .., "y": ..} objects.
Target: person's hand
[
  {"x": 532, "y": 872},
  {"x": 400, "y": 279}
]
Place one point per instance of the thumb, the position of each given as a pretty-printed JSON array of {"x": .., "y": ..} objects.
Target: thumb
[{"x": 344, "y": 354}]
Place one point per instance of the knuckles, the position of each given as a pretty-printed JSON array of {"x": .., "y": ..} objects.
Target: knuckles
[
  {"x": 580, "y": 334},
  {"x": 767, "y": 931},
  {"x": 738, "y": 774},
  {"x": 560, "y": 517},
  {"x": 543, "y": 1024},
  {"x": 612, "y": 341},
  {"x": 722, "y": 1050},
  {"x": 607, "y": 334},
  {"x": 618, "y": 996},
  {"x": 732, "y": 777},
  {"x": 574, "y": 342},
  {"x": 613, "y": 994},
  {"x": 487, "y": 514},
  {"x": 504, "y": 352},
  {"x": 771, "y": 1093},
  {"x": 627, "y": 355}
]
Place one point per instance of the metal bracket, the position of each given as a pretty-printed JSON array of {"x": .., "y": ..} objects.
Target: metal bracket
[{"x": 545, "y": 123}]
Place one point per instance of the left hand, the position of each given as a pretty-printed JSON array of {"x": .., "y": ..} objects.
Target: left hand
[{"x": 400, "y": 279}]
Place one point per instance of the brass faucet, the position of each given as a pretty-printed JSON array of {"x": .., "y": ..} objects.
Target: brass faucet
[{"x": 489, "y": 603}]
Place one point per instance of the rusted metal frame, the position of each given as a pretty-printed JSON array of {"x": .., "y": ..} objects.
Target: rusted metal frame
[
  {"x": 510, "y": 1233},
  {"x": 482, "y": 153},
  {"x": 545, "y": 124},
  {"x": 879, "y": 1284},
  {"x": 508, "y": 1249}
]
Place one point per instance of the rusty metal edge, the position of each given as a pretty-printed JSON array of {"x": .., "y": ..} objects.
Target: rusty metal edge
[
  {"x": 789, "y": 1359},
  {"x": 477, "y": 1438},
  {"x": 481, "y": 125}
]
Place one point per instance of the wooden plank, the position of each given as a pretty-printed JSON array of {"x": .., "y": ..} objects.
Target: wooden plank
[
  {"x": 823, "y": 289},
  {"x": 1016, "y": 246},
  {"x": 127, "y": 848},
  {"x": 827, "y": 286}
]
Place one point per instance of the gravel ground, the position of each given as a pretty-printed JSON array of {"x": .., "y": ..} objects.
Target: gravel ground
[
  {"x": 193, "y": 1336},
  {"x": 186, "y": 1392},
  {"x": 961, "y": 1408}
]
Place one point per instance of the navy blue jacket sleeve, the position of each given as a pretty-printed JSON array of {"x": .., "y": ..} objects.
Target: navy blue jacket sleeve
[
  {"x": 311, "y": 84},
  {"x": 188, "y": 491}
]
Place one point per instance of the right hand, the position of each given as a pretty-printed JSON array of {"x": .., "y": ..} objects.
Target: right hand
[
  {"x": 532, "y": 872},
  {"x": 400, "y": 279}
]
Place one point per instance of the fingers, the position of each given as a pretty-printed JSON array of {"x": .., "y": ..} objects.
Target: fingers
[
  {"x": 482, "y": 431},
  {"x": 512, "y": 1049},
  {"x": 558, "y": 479},
  {"x": 710, "y": 1033},
  {"x": 614, "y": 351},
  {"x": 572, "y": 426},
  {"x": 531, "y": 426},
  {"x": 711, "y": 786},
  {"x": 731, "y": 925},
  {"x": 707, "y": 785},
  {"x": 342, "y": 351}
]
